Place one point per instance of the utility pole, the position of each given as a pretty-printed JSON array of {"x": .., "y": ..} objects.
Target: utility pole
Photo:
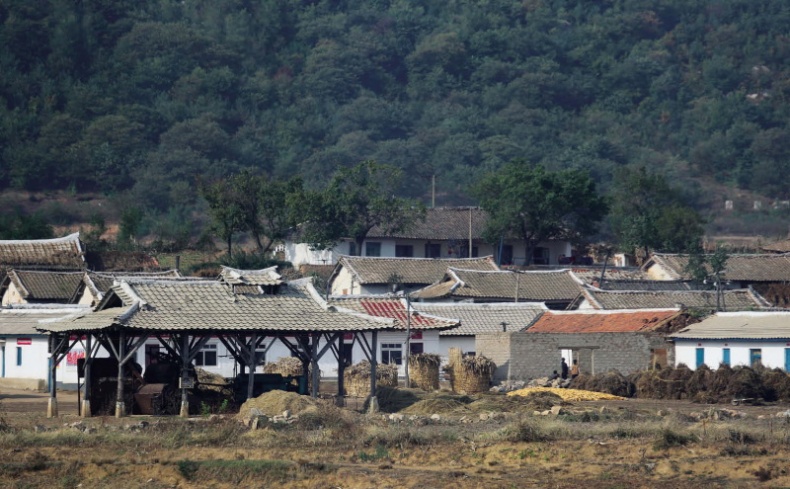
[
  {"x": 408, "y": 339},
  {"x": 433, "y": 191},
  {"x": 470, "y": 231}
]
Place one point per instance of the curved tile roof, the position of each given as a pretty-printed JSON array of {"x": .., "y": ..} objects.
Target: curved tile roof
[
  {"x": 479, "y": 318},
  {"x": 394, "y": 308},
  {"x": 643, "y": 299},
  {"x": 59, "y": 253},
  {"x": 739, "y": 267},
  {"x": 421, "y": 271}
]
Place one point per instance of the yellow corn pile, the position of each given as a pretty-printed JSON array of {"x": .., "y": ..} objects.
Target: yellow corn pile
[{"x": 568, "y": 394}]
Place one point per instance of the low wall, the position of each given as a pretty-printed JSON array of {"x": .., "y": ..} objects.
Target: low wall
[{"x": 23, "y": 384}]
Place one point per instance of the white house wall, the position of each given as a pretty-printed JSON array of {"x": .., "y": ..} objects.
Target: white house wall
[
  {"x": 34, "y": 362},
  {"x": 12, "y": 296},
  {"x": 773, "y": 353},
  {"x": 466, "y": 343}
]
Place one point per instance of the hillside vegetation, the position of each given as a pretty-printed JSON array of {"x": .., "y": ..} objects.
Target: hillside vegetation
[{"x": 138, "y": 98}]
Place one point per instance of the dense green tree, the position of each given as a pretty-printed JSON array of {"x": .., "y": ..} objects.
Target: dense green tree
[
  {"x": 530, "y": 203},
  {"x": 225, "y": 209},
  {"x": 647, "y": 213},
  {"x": 356, "y": 200}
]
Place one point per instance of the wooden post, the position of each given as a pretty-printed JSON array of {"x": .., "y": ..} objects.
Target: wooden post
[
  {"x": 52, "y": 405},
  {"x": 341, "y": 368},
  {"x": 120, "y": 407},
  {"x": 85, "y": 409},
  {"x": 184, "y": 413},
  {"x": 374, "y": 402},
  {"x": 314, "y": 363},
  {"x": 251, "y": 361}
]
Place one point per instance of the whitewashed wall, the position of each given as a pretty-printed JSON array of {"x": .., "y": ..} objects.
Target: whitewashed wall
[
  {"x": 773, "y": 352},
  {"x": 34, "y": 358}
]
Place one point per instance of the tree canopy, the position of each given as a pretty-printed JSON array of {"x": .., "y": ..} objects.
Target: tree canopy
[{"x": 535, "y": 205}]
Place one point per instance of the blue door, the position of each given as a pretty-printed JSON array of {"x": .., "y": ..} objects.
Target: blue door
[
  {"x": 700, "y": 356},
  {"x": 755, "y": 356},
  {"x": 725, "y": 357},
  {"x": 787, "y": 359}
]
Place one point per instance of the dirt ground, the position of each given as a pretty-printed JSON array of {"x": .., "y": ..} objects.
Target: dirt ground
[{"x": 616, "y": 444}]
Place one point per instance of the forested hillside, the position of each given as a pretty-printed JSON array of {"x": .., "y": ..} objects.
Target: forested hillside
[{"x": 140, "y": 97}]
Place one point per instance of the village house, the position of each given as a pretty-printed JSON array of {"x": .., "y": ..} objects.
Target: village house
[
  {"x": 768, "y": 274},
  {"x": 447, "y": 232},
  {"x": 627, "y": 341},
  {"x": 479, "y": 318},
  {"x": 356, "y": 275},
  {"x": 745, "y": 338},
  {"x": 556, "y": 288},
  {"x": 704, "y": 300}
]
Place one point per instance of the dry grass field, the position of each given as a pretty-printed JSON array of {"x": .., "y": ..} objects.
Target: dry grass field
[{"x": 436, "y": 440}]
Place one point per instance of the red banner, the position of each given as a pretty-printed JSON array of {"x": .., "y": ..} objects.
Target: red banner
[
  {"x": 73, "y": 356},
  {"x": 24, "y": 341}
]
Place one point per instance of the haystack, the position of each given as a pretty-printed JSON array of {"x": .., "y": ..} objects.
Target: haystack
[
  {"x": 428, "y": 407},
  {"x": 273, "y": 403},
  {"x": 211, "y": 381},
  {"x": 469, "y": 374},
  {"x": 424, "y": 371},
  {"x": 356, "y": 378},
  {"x": 776, "y": 384},
  {"x": 287, "y": 366},
  {"x": 613, "y": 382}
]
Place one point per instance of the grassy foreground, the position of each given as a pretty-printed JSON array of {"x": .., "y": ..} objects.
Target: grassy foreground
[{"x": 447, "y": 444}]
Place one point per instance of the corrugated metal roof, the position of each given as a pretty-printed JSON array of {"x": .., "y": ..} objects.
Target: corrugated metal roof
[
  {"x": 602, "y": 321},
  {"x": 393, "y": 308},
  {"x": 479, "y": 318},
  {"x": 740, "y": 325}
]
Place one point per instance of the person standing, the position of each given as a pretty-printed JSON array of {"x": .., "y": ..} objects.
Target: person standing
[
  {"x": 564, "y": 369},
  {"x": 575, "y": 369}
]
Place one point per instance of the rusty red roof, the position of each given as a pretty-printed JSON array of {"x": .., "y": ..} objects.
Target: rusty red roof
[
  {"x": 393, "y": 308},
  {"x": 643, "y": 320}
]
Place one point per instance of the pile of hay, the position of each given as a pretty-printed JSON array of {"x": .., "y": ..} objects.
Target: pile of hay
[
  {"x": 356, "y": 378},
  {"x": 393, "y": 399},
  {"x": 568, "y": 394},
  {"x": 504, "y": 404},
  {"x": 286, "y": 366},
  {"x": 469, "y": 374},
  {"x": 211, "y": 381},
  {"x": 776, "y": 385},
  {"x": 273, "y": 403},
  {"x": 428, "y": 407},
  {"x": 424, "y": 371}
]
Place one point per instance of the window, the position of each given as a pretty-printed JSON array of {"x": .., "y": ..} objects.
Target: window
[
  {"x": 463, "y": 251},
  {"x": 540, "y": 256},
  {"x": 506, "y": 256},
  {"x": 373, "y": 249},
  {"x": 207, "y": 357},
  {"x": 391, "y": 353},
  {"x": 433, "y": 250},
  {"x": 352, "y": 249},
  {"x": 725, "y": 356},
  {"x": 755, "y": 356},
  {"x": 415, "y": 348},
  {"x": 18, "y": 356},
  {"x": 404, "y": 251}
]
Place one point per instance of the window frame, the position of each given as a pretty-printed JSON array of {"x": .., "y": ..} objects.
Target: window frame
[
  {"x": 201, "y": 357},
  {"x": 373, "y": 246},
  {"x": 392, "y": 351}
]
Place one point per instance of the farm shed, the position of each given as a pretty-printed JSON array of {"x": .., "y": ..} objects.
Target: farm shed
[
  {"x": 736, "y": 338},
  {"x": 600, "y": 340},
  {"x": 184, "y": 315}
]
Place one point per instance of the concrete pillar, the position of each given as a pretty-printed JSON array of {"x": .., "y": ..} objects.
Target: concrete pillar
[
  {"x": 373, "y": 406},
  {"x": 120, "y": 406},
  {"x": 184, "y": 412}
]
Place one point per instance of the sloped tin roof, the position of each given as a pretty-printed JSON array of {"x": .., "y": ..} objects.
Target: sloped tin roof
[
  {"x": 602, "y": 321},
  {"x": 477, "y": 318},
  {"x": 749, "y": 325}
]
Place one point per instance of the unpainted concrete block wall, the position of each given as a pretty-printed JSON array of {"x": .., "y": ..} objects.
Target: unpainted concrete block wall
[{"x": 524, "y": 356}]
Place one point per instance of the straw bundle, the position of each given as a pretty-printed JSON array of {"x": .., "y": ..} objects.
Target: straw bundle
[
  {"x": 284, "y": 366},
  {"x": 424, "y": 371},
  {"x": 469, "y": 374},
  {"x": 356, "y": 378}
]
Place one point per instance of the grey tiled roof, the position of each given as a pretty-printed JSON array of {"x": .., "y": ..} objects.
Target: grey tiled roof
[
  {"x": 184, "y": 305},
  {"x": 551, "y": 286},
  {"x": 646, "y": 285},
  {"x": 395, "y": 308},
  {"x": 485, "y": 317},
  {"x": 265, "y": 276},
  {"x": 18, "y": 320},
  {"x": 732, "y": 300},
  {"x": 739, "y": 325},
  {"x": 778, "y": 247},
  {"x": 59, "y": 253},
  {"x": 102, "y": 282},
  {"x": 739, "y": 267},
  {"x": 589, "y": 275},
  {"x": 442, "y": 223},
  {"x": 39, "y": 285},
  {"x": 418, "y": 271}
]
